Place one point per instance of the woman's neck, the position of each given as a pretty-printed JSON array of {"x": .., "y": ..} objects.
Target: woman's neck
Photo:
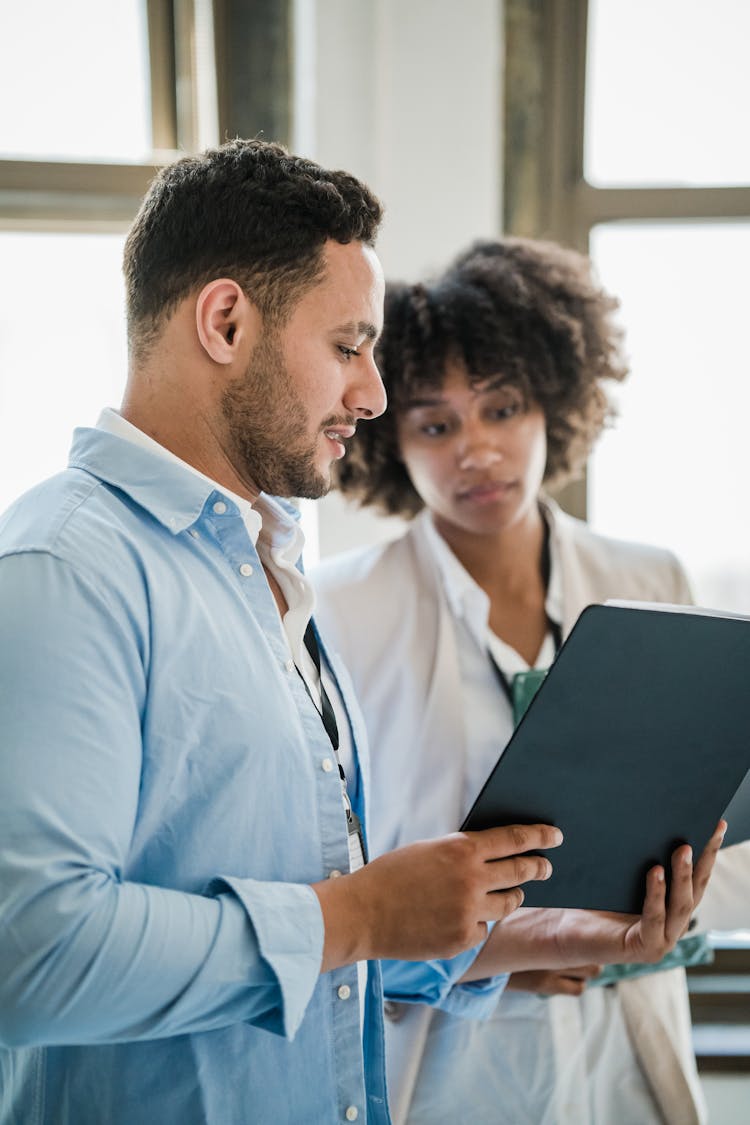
[
  {"x": 509, "y": 560},
  {"x": 510, "y": 567}
]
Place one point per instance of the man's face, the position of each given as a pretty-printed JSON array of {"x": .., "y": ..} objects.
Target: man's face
[{"x": 308, "y": 383}]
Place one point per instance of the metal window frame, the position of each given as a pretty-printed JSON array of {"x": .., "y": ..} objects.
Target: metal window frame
[
  {"x": 247, "y": 83},
  {"x": 93, "y": 196},
  {"x": 545, "y": 193}
]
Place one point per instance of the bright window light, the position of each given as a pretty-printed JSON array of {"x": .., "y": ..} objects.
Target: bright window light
[
  {"x": 675, "y": 470},
  {"x": 74, "y": 80},
  {"x": 667, "y": 92},
  {"x": 62, "y": 347}
]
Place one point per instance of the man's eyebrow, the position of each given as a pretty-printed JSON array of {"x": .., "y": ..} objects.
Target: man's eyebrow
[{"x": 359, "y": 328}]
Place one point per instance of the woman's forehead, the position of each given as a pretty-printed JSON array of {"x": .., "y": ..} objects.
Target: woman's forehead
[{"x": 455, "y": 378}]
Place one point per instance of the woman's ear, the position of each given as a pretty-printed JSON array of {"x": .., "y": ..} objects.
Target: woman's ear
[{"x": 226, "y": 321}]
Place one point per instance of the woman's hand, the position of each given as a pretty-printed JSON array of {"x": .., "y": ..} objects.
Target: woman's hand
[
  {"x": 549, "y": 939},
  {"x": 648, "y": 937},
  {"x": 554, "y": 982}
]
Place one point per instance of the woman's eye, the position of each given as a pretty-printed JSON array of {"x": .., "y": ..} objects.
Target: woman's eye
[
  {"x": 507, "y": 411},
  {"x": 434, "y": 429},
  {"x": 347, "y": 352}
]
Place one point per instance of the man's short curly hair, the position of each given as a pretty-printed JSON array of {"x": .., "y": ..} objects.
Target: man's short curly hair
[
  {"x": 528, "y": 310},
  {"x": 247, "y": 210}
]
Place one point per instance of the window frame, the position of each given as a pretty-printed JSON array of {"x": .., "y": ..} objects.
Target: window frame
[
  {"x": 104, "y": 196},
  {"x": 545, "y": 192},
  {"x": 546, "y": 195}
]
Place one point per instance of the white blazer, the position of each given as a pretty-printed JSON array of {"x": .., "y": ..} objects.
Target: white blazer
[{"x": 385, "y": 610}]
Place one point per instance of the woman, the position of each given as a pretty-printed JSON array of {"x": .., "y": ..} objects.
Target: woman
[{"x": 496, "y": 378}]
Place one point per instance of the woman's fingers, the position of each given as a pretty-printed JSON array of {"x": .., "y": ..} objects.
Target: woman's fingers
[{"x": 705, "y": 864}]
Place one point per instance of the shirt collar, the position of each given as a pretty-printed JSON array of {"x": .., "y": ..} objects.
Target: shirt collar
[
  {"x": 172, "y": 490},
  {"x": 467, "y": 599}
]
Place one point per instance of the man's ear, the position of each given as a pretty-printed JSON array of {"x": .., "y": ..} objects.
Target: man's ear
[{"x": 226, "y": 321}]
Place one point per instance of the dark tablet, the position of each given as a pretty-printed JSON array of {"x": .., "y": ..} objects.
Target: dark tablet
[{"x": 636, "y": 742}]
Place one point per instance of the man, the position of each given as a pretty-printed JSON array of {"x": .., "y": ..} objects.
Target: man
[{"x": 186, "y": 914}]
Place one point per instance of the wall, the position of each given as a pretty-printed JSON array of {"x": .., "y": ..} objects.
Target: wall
[{"x": 405, "y": 94}]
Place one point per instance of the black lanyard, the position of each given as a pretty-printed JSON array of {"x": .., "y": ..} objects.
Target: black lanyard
[{"x": 326, "y": 712}]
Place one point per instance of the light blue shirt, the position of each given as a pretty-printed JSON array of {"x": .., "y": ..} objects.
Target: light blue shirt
[{"x": 166, "y": 795}]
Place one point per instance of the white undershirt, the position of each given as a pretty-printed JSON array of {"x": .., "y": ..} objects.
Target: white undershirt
[{"x": 488, "y": 718}]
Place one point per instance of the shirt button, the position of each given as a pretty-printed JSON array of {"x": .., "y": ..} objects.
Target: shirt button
[
  {"x": 195, "y": 534},
  {"x": 220, "y": 507},
  {"x": 289, "y": 665},
  {"x": 246, "y": 570},
  {"x": 344, "y": 992},
  {"x": 326, "y": 765},
  {"x": 352, "y": 1113},
  {"x": 335, "y": 874}
]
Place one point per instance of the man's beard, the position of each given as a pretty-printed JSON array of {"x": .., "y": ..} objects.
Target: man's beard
[{"x": 267, "y": 425}]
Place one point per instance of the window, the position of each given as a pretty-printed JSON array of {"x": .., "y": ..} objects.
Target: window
[
  {"x": 675, "y": 469},
  {"x": 667, "y": 91},
  {"x": 62, "y": 347},
  {"x": 95, "y": 97},
  {"x": 89, "y": 101},
  {"x": 625, "y": 136}
]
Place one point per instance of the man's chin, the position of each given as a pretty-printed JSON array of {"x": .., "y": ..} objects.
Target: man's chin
[
  {"x": 314, "y": 490},
  {"x": 311, "y": 484}
]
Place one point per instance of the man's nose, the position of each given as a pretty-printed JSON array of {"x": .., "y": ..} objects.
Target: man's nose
[{"x": 366, "y": 397}]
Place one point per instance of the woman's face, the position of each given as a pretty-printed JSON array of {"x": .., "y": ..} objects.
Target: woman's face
[{"x": 475, "y": 454}]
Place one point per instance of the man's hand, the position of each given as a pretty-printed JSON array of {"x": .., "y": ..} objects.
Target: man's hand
[
  {"x": 432, "y": 898},
  {"x": 554, "y": 939},
  {"x": 554, "y": 982}
]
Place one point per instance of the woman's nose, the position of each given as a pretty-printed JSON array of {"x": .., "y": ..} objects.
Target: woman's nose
[{"x": 479, "y": 449}]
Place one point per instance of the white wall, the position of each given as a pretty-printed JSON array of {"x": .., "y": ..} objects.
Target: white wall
[{"x": 406, "y": 94}]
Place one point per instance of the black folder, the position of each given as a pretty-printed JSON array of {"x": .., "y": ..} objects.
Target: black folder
[{"x": 636, "y": 742}]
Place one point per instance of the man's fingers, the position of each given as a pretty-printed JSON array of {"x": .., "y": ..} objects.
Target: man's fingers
[
  {"x": 502, "y": 874},
  {"x": 512, "y": 839},
  {"x": 502, "y": 903}
]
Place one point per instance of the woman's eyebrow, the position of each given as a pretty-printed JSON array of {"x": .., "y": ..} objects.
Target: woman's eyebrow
[{"x": 432, "y": 400}]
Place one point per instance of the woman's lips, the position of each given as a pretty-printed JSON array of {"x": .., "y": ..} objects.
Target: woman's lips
[{"x": 487, "y": 492}]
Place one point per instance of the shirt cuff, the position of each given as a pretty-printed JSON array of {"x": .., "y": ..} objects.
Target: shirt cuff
[
  {"x": 288, "y": 925},
  {"x": 437, "y": 983}
]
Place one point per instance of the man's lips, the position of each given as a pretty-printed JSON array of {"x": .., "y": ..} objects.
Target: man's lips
[{"x": 338, "y": 435}]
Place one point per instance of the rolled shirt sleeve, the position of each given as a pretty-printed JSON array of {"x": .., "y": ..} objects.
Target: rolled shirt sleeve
[{"x": 437, "y": 984}]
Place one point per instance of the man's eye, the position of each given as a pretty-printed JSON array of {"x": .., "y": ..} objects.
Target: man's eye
[
  {"x": 434, "y": 429},
  {"x": 347, "y": 353}
]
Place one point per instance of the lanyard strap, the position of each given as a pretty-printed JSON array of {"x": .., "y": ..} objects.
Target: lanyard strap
[
  {"x": 505, "y": 682},
  {"x": 325, "y": 710},
  {"x": 357, "y": 853}
]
